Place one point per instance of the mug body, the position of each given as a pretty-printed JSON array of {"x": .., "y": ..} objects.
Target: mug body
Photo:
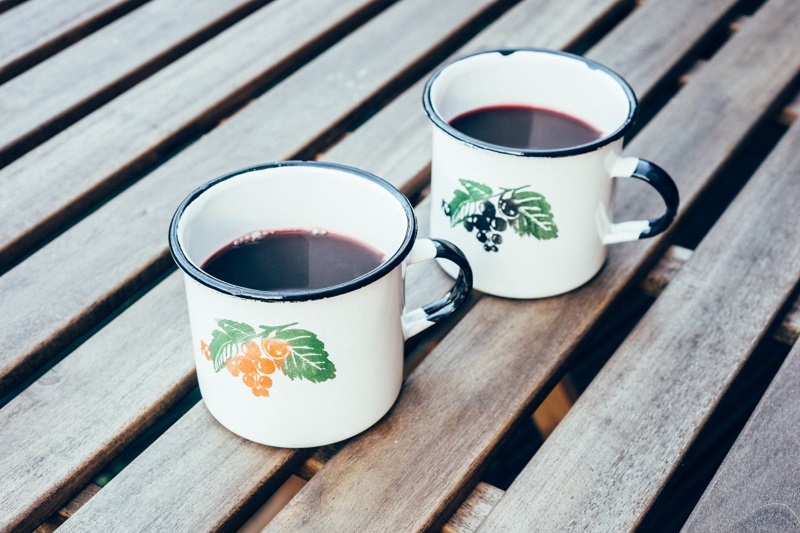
[
  {"x": 300, "y": 368},
  {"x": 530, "y": 221}
]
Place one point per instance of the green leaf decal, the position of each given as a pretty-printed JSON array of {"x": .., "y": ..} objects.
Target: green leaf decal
[
  {"x": 489, "y": 214},
  {"x": 476, "y": 191},
  {"x": 535, "y": 218},
  {"x": 253, "y": 356},
  {"x": 460, "y": 199},
  {"x": 228, "y": 341},
  {"x": 308, "y": 359}
]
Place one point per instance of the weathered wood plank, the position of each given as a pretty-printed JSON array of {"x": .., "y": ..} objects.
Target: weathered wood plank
[
  {"x": 181, "y": 454},
  {"x": 665, "y": 270},
  {"x": 787, "y": 332},
  {"x": 60, "y": 431},
  {"x": 412, "y": 298},
  {"x": 757, "y": 488},
  {"x": 33, "y": 105},
  {"x": 608, "y": 460},
  {"x": 507, "y": 370},
  {"x": 8, "y": 4},
  {"x": 395, "y": 143},
  {"x": 67, "y": 175},
  {"x": 40, "y": 27},
  {"x": 109, "y": 142},
  {"x": 474, "y": 510},
  {"x": 103, "y": 429}
]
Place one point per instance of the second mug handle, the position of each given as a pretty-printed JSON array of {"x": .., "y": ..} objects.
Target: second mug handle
[
  {"x": 632, "y": 167},
  {"x": 422, "y": 318}
]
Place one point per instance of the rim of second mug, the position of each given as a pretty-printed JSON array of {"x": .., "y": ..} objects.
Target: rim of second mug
[
  {"x": 199, "y": 275},
  {"x": 445, "y": 126}
]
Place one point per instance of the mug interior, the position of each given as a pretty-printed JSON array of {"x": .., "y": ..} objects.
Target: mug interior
[
  {"x": 290, "y": 196},
  {"x": 547, "y": 79}
]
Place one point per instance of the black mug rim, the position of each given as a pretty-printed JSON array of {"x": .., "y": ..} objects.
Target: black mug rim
[
  {"x": 443, "y": 125},
  {"x": 388, "y": 265}
]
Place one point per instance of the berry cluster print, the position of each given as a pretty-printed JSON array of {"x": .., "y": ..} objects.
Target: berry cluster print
[
  {"x": 254, "y": 355},
  {"x": 477, "y": 207}
]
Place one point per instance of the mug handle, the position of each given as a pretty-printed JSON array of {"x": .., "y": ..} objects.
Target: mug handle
[
  {"x": 633, "y": 167},
  {"x": 421, "y": 318}
]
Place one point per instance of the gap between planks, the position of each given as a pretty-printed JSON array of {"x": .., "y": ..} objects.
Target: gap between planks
[{"x": 485, "y": 496}]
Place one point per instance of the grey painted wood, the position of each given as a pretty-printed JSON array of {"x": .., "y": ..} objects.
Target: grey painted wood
[
  {"x": 117, "y": 139},
  {"x": 74, "y": 170},
  {"x": 38, "y": 27},
  {"x": 610, "y": 457},
  {"x": 757, "y": 487},
  {"x": 46, "y": 97},
  {"x": 61, "y": 429}
]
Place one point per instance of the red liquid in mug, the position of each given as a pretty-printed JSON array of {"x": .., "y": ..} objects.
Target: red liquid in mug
[
  {"x": 292, "y": 261},
  {"x": 524, "y": 127}
]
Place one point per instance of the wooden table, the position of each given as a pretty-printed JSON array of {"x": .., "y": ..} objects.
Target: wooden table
[{"x": 112, "y": 110}]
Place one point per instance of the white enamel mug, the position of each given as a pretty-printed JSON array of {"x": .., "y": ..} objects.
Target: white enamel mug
[
  {"x": 534, "y": 223},
  {"x": 304, "y": 368}
]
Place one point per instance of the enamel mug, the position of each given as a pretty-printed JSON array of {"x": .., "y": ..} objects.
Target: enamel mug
[
  {"x": 534, "y": 222},
  {"x": 304, "y": 368}
]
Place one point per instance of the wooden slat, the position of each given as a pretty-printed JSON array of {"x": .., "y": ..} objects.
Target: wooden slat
[
  {"x": 162, "y": 488},
  {"x": 37, "y": 28},
  {"x": 65, "y": 176},
  {"x": 194, "y": 442},
  {"x": 395, "y": 144},
  {"x": 608, "y": 460},
  {"x": 59, "y": 432},
  {"x": 665, "y": 270},
  {"x": 8, "y": 4},
  {"x": 757, "y": 488},
  {"x": 112, "y": 141},
  {"x": 787, "y": 332},
  {"x": 104, "y": 429},
  {"x": 503, "y": 372},
  {"x": 33, "y": 106},
  {"x": 474, "y": 510}
]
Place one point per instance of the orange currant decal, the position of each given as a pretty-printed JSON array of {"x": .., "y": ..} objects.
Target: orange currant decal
[
  {"x": 205, "y": 350},
  {"x": 254, "y": 354}
]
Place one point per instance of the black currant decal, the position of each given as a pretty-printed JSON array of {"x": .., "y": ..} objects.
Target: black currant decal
[{"x": 477, "y": 207}]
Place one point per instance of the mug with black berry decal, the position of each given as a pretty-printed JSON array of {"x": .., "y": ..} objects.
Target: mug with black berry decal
[
  {"x": 526, "y": 146},
  {"x": 294, "y": 274}
]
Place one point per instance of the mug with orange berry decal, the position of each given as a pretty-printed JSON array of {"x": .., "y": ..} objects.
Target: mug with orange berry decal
[{"x": 295, "y": 281}]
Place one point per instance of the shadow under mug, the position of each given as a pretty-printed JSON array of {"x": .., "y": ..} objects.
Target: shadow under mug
[
  {"x": 534, "y": 222},
  {"x": 330, "y": 359}
]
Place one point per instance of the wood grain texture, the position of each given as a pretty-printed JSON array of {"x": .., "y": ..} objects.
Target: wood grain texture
[
  {"x": 474, "y": 510},
  {"x": 665, "y": 270},
  {"x": 37, "y": 28},
  {"x": 60, "y": 431},
  {"x": 395, "y": 143},
  {"x": 93, "y": 70},
  {"x": 673, "y": 260},
  {"x": 192, "y": 459},
  {"x": 99, "y": 398},
  {"x": 64, "y": 471},
  {"x": 605, "y": 464},
  {"x": 108, "y": 142},
  {"x": 74, "y": 170},
  {"x": 757, "y": 488},
  {"x": 529, "y": 341}
]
